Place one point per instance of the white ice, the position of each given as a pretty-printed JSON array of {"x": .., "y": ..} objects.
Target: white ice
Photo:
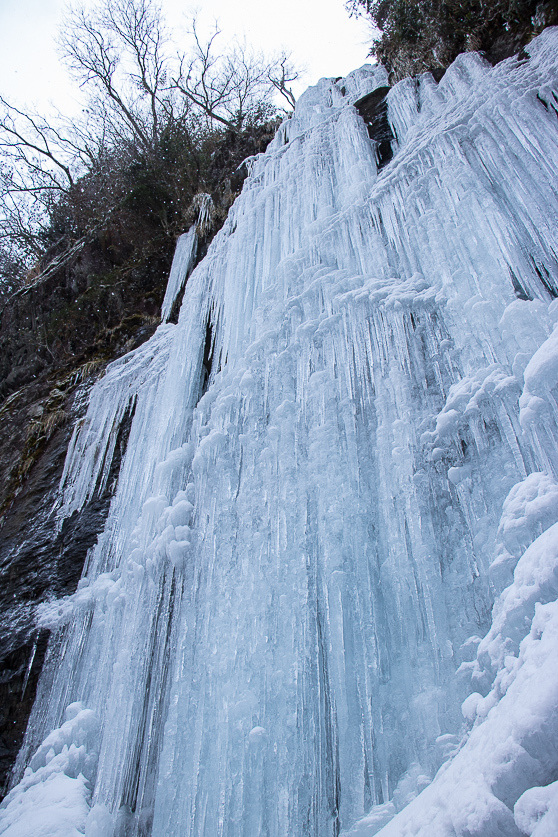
[{"x": 182, "y": 262}]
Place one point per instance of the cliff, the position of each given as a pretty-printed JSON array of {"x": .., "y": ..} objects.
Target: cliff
[{"x": 323, "y": 600}]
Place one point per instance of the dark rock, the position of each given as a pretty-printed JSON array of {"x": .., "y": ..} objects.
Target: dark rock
[
  {"x": 18, "y": 684},
  {"x": 373, "y": 109}
]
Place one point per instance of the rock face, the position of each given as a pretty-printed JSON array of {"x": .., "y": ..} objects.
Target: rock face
[
  {"x": 39, "y": 562},
  {"x": 46, "y": 367},
  {"x": 374, "y": 110},
  {"x": 55, "y": 339}
]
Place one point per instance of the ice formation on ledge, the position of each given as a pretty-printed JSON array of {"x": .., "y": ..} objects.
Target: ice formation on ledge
[{"x": 341, "y": 457}]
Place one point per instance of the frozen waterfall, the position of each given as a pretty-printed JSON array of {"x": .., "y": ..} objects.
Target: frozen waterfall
[{"x": 338, "y": 457}]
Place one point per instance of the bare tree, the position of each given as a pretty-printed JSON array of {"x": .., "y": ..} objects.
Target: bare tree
[
  {"x": 38, "y": 163},
  {"x": 116, "y": 51},
  {"x": 281, "y": 75},
  {"x": 231, "y": 88},
  {"x": 32, "y": 142}
]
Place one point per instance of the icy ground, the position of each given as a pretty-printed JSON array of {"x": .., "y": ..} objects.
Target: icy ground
[{"x": 326, "y": 597}]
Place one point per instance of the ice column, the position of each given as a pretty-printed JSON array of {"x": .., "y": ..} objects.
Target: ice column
[{"x": 182, "y": 263}]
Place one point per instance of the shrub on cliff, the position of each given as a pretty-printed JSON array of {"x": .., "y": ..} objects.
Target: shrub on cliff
[
  {"x": 90, "y": 209},
  {"x": 419, "y": 35}
]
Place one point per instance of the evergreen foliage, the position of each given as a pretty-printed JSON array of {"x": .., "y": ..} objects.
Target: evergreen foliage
[{"x": 421, "y": 35}]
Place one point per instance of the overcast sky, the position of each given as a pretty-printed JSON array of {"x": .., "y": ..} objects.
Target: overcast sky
[{"x": 319, "y": 33}]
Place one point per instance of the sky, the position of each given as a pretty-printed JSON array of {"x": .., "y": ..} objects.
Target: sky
[{"x": 319, "y": 33}]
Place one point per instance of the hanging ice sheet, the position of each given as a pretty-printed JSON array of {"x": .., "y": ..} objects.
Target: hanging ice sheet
[{"x": 182, "y": 263}]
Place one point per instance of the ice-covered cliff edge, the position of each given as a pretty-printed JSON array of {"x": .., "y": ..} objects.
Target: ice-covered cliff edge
[{"x": 337, "y": 458}]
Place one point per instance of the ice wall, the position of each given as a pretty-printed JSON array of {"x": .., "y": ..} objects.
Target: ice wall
[{"x": 337, "y": 457}]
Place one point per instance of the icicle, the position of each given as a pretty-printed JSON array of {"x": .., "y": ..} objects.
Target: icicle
[
  {"x": 91, "y": 448},
  {"x": 182, "y": 263}
]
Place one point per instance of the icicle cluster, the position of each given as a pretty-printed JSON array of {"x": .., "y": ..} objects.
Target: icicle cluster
[{"x": 337, "y": 457}]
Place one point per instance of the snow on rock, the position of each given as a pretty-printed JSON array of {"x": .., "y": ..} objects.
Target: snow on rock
[
  {"x": 52, "y": 799},
  {"x": 529, "y": 509},
  {"x": 511, "y": 750},
  {"x": 302, "y": 609},
  {"x": 536, "y": 811},
  {"x": 541, "y": 374},
  {"x": 535, "y": 582},
  {"x": 531, "y": 504},
  {"x": 512, "y": 746}
]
